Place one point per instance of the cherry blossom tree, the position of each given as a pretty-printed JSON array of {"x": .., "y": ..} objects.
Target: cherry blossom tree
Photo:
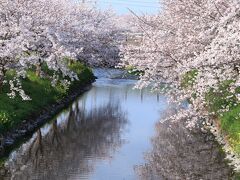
[
  {"x": 187, "y": 36},
  {"x": 100, "y": 38},
  {"x": 35, "y": 32},
  {"x": 190, "y": 49}
]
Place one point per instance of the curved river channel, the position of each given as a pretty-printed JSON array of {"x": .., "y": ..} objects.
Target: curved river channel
[{"x": 114, "y": 132}]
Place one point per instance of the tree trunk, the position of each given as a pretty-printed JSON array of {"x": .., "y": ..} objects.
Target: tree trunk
[
  {"x": 2, "y": 76},
  {"x": 38, "y": 68},
  {"x": 1, "y": 83}
]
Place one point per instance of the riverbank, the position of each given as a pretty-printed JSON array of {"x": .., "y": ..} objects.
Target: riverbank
[
  {"x": 225, "y": 121},
  {"x": 231, "y": 156},
  {"x": 223, "y": 107},
  {"x": 19, "y": 118}
]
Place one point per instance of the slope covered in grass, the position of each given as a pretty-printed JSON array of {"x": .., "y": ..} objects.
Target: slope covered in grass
[
  {"x": 42, "y": 93},
  {"x": 229, "y": 120}
]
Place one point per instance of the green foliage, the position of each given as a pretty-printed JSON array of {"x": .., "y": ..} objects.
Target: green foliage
[
  {"x": 77, "y": 67},
  {"x": 4, "y": 118},
  {"x": 42, "y": 93},
  {"x": 236, "y": 176},
  {"x": 189, "y": 78},
  {"x": 230, "y": 120},
  {"x": 84, "y": 73},
  {"x": 230, "y": 123},
  {"x": 134, "y": 71},
  {"x": 48, "y": 71},
  {"x": 222, "y": 98}
]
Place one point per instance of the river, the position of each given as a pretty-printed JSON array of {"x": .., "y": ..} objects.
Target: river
[{"x": 115, "y": 132}]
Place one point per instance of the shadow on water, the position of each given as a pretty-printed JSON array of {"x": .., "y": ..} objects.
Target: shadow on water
[
  {"x": 178, "y": 153},
  {"x": 67, "y": 146}
]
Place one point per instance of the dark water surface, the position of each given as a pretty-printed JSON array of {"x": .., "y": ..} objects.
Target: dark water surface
[{"x": 105, "y": 135}]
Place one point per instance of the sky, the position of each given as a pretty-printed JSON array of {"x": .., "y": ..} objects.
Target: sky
[{"x": 138, "y": 6}]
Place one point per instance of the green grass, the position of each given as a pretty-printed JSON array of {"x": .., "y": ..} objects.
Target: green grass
[
  {"x": 230, "y": 123},
  {"x": 189, "y": 78},
  {"x": 42, "y": 93},
  {"x": 230, "y": 120},
  {"x": 216, "y": 101}
]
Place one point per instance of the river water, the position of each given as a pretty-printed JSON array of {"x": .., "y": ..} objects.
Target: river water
[{"x": 114, "y": 132}]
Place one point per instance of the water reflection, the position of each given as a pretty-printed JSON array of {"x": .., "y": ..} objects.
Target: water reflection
[
  {"x": 178, "y": 153},
  {"x": 66, "y": 148},
  {"x": 107, "y": 131},
  {"x": 101, "y": 136}
]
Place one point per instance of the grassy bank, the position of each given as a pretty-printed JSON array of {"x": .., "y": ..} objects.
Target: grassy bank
[
  {"x": 223, "y": 99},
  {"x": 229, "y": 121},
  {"x": 42, "y": 93}
]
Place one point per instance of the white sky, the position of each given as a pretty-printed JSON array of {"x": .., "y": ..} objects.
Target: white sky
[{"x": 138, "y": 6}]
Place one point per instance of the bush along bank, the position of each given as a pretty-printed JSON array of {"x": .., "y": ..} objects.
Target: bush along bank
[
  {"x": 225, "y": 125},
  {"x": 20, "y": 118}
]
